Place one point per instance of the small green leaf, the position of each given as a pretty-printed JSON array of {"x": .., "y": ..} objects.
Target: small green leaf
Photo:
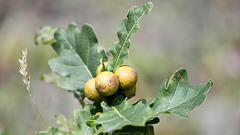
[
  {"x": 44, "y": 36},
  {"x": 178, "y": 97},
  {"x": 103, "y": 66},
  {"x": 127, "y": 28},
  {"x": 105, "y": 106},
  {"x": 78, "y": 57},
  {"x": 104, "y": 55},
  {"x": 81, "y": 117},
  {"x": 66, "y": 125},
  {"x": 116, "y": 117},
  {"x": 50, "y": 77}
]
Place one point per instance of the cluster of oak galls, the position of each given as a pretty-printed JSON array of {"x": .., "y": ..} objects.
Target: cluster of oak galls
[{"x": 107, "y": 83}]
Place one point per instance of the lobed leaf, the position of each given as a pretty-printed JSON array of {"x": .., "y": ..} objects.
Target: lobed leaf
[
  {"x": 178, "y": 97},
  {"x": 78, "y": 56},
  {"x": 127, "y": 28},
  {"x": 116, "y": 117}
]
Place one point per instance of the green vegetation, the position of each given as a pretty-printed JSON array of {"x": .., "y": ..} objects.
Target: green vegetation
[{"x": 76, "y": 64}]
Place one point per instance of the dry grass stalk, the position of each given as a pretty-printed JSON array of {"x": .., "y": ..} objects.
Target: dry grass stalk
[
  {"x": 23, "y": 69},
  {"x": 26, "y": 79}
]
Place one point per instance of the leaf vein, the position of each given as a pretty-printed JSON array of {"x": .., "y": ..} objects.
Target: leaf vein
[
  {"x": 129, "y": 33},
  {"x": 179, "y": 104},
  {"x": 77, "y": 55},
  {"x": 120, "y": 115}
]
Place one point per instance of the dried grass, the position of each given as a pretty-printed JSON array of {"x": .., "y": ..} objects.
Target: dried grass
[{"x": 26, "y": 79}]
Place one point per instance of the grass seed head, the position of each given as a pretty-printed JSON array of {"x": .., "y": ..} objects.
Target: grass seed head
[{"x": 23, "y": 68}]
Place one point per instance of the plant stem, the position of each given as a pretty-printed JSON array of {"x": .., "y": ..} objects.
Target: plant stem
[
  {"x": 43, "y": 107},
  {"x": 38, "y": 111}
]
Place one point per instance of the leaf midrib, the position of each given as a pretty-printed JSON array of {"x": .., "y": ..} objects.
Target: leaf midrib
[
  {"x": 126, "y": 41},
  {"x": 70, "y": 45},
  {"x": 120, "y": 115},
  {"x": 180, "y": 103}
]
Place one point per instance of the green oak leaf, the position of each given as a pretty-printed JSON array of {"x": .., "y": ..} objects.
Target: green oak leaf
[
  {"x": 81, "y": 117},
  {"x": 125, "y": 114},
  {"x": 178, "y": 97},
  {"x": 44, "y": 36},
  {"x": 78, "y": 56},
  {"x": 127, "y": 28}
]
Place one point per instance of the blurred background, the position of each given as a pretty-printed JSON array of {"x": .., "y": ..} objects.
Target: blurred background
[{"x": 202, "y": 36}]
